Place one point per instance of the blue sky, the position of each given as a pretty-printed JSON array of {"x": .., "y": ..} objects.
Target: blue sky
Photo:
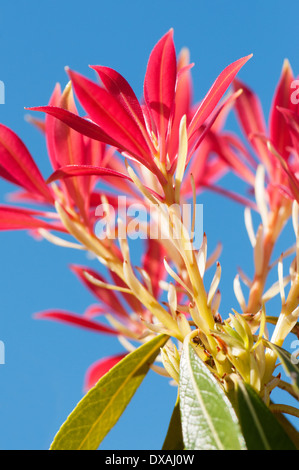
[{"x": 45, "y": 362}]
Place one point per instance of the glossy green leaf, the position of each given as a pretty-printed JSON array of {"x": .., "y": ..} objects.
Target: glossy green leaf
[
  {"x": 103, "y": 405},
  {"x": 209, "y": 421},
  {"x": 289, "y": 363},
  {"x": 174, "y": 437},
  {"x": 260, "y": 428}
]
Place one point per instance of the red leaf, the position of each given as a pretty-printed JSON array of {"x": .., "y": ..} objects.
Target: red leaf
[
  {"x": 100, "y": 368},
  {"x": 211, "y": 124},
  {"x": 75, "y": 320},
  {"x": 112, "y": 117},
  {"x": 17, "y": 163},
  {"x": 159, "y": 85},
  {"x": 279, "y": 132},
  {"x": 69, "y": 149},
  {"x": 215, "y": 93},
  {"x": 8, "y": 177},
  {"x": 68, "y": 143},
  {"x": 95, "y": 311},
  {"x": 88, "y": 170},
  {"x": 132, "y": 301},
  {"x": 183, "y": 99},
  {"x": 198, "y": 165},
  {"x": 292, "y": 177},
  {"x": 292, "y": 119},
  {"x": 249, "y": 110},
  {"x": 214, "y": 170},
  {"x": 50, "y": 125},
  {"x": 241, "y": 168},
  {"x": 26, "y": 197},
  {"x": 231, "y": 195},
  {"x": 92, "y": 130},
  {"x": 118, "y": 86},
  {"x": 79, "y": 124},
  {"x": 37, "y": 123},
  {"x": 84, "y": 170},
  {"x": 153, "y": 263},
  {"x": 108, "y": 297},
  {"x": 250, "y": 115},
  {"x": 13, "y": 218}
]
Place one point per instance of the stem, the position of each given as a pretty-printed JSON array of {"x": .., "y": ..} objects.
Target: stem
[
  {"x": 196, "y": 282},
  {"x": 199, "y": 293},
  {"x": 284, "y": 409},
  {"x": 277, "y": 220},
  {"x": 287, "y": 388},
  {"x": 283, "y": 326}
]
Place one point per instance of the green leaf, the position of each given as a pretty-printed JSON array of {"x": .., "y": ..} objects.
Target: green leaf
[
  {"x": 209, "y": 421},
  {"x": 103, "y": 405},
  {"x": 174, "y": 437},
  {"x": 260, "y": 428},
  {"x": 289, "y": 364}
]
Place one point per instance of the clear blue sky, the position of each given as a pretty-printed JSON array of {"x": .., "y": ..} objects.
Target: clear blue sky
[{"x": 45, "y": 362}]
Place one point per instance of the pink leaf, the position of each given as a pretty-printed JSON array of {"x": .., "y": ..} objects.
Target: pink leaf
[
  {"x": 84, "y": 170},
  {"x": 108, "y": 297},
  {"x": 159, "y": 85},
  {"x": 292, "y": 120},
  {"x": 69, "y": 149},
  {"x": 153, "y": 263},
  {"x": 17, "y": 163},
  {"x": 223, "y": 149},
  {"x": 88, "y": 170},
  {"x": 122, "y": 91},
  {"x": 250, "y": 115},
  {"x": 12, "y": 218},
  {"x": 134, "y": 303},
  {"x": 79, "y": 124},
  {"x": 279, "y": 132},
  {"x": 197, "y": 166},
  {"x": 112, "y": 117},
  {"x": 215, "y": 93},
  {"x": 183, "y": 99},
  {"x": 231, "y": 195},
  {"x": 75, "y": 320},
  {"x": 221, "y": 110},
  {"x": 50, "y": 126},
  {"x": 100, "y": 368}
]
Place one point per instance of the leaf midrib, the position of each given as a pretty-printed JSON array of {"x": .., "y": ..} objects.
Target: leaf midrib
[{"x": 203, "y": 407}]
